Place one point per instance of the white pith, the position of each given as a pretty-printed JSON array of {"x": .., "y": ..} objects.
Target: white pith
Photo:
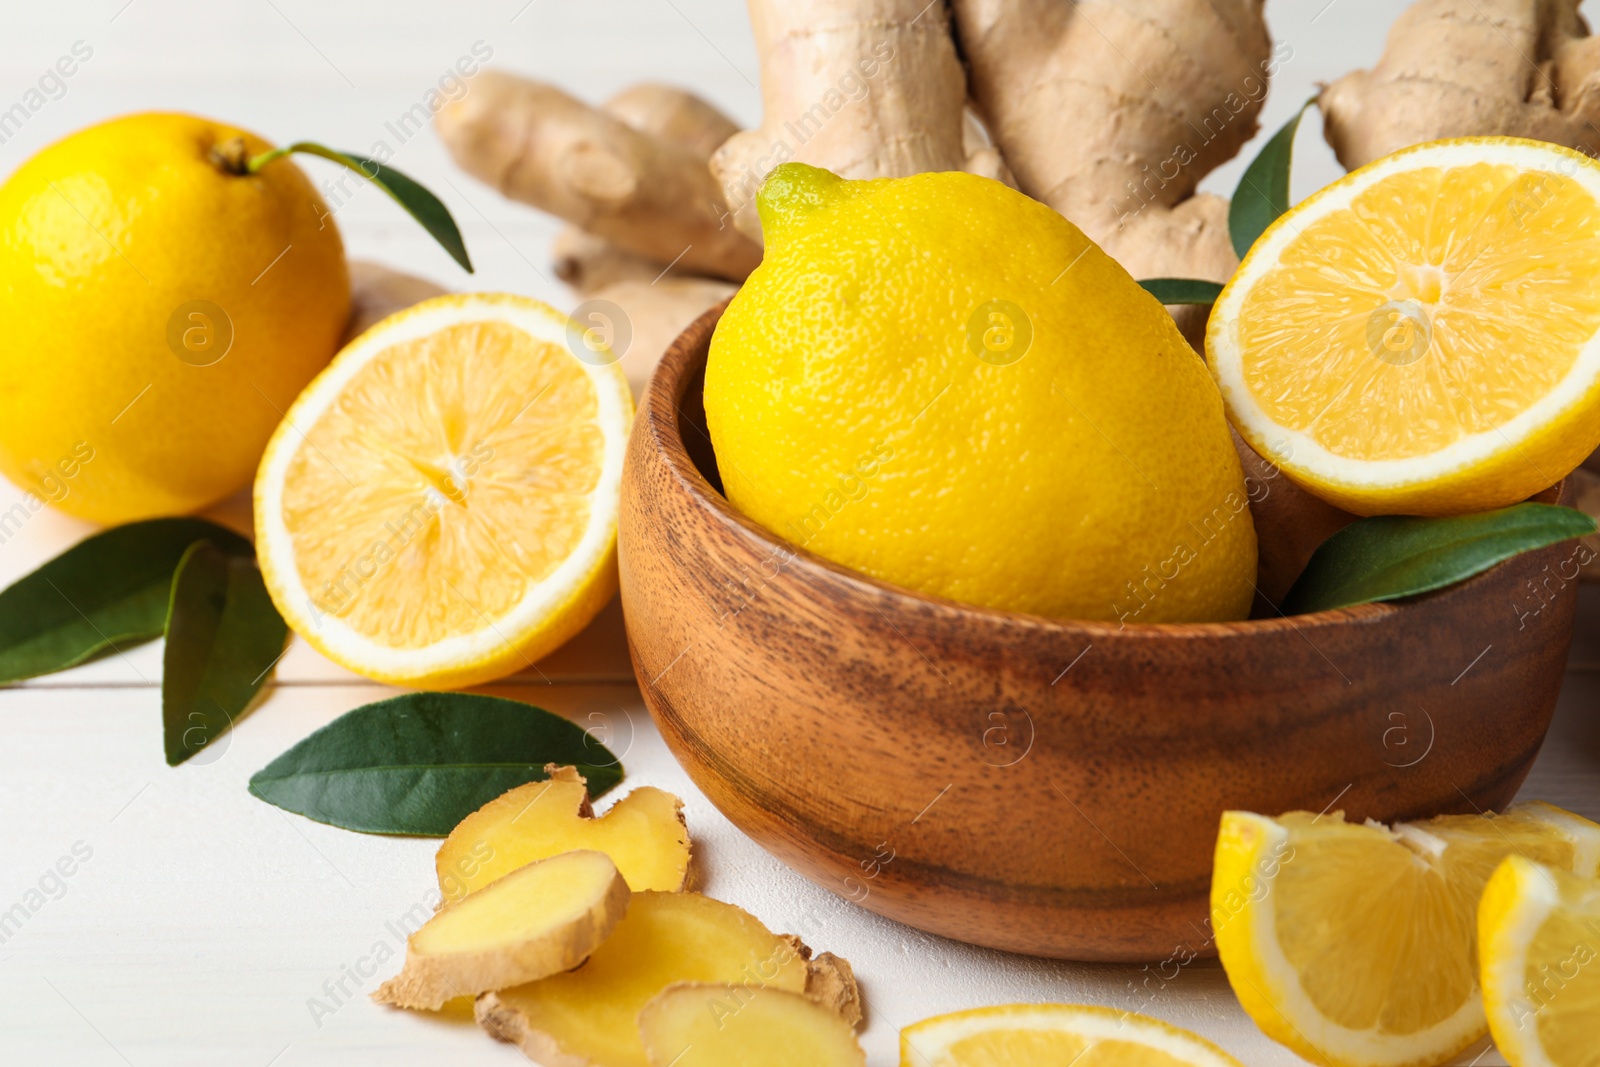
[
  {"x": 1301, "y": 450},
  {"x": 353, "y": 648}
]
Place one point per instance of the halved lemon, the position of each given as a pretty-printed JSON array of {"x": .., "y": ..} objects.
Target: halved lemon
[
  {"x": 1539, "y": 937},
  {"x": 1355, "y": 944},
  {"x": 439, "y": 506},
  {"x": 1423, "y": 335},
  {"x": 1053, "y": 1035}
]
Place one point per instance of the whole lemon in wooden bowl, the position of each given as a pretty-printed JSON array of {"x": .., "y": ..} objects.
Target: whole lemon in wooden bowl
[{"x": 1000, "y": 749}]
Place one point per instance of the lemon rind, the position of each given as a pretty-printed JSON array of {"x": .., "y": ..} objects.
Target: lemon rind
[
  {"x": 1503, "y": 955},
  {"x": 1285, "y": 1001},
  {"x": 504, "y": 639},
  {"x": 924, "y": 1043},
  {"x": 1296, "y": 449}
]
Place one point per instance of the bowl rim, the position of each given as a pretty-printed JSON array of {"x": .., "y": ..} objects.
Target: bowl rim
[{"x": 660, "y": 410}]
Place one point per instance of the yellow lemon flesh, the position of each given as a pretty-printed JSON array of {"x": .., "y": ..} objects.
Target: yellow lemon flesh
[
  {"x": 1354, "y": 944},
  {"x": 439, "y": 507},
  {"x": 1050, "y": 1035},
  {"x": 1539, "y": 938},
  {"x": 1420, "y": 337},
  {"x": 162, "y": 312},
  {"x": 944, "y": 384}
]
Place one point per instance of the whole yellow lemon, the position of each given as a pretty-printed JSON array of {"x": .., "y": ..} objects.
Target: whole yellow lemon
[
  {"x": 164, "y": 311},
  {"x": 944, "y": 384}
]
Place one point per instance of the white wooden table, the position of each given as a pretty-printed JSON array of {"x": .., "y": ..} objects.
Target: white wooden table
[{"x": 206, "y": 927}]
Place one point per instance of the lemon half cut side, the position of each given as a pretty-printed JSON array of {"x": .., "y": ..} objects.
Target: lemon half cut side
[
  {"x": 1423, "y": 335},
  {"x": 1051, "y": 1035},
  {"x": 439, "y": 507}
]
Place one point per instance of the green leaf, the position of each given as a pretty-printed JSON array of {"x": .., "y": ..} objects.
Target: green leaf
[
  {"x": 422, "y": 762},
  {"x": 1392, "y": 556},
  {"x": 1182, "y": 290},
  {"x": 1263, "y": 192},
  {"x": 105, "y": 593},
  {"x": 417, "y": 200},
  {"x": 223, "y": 637}
]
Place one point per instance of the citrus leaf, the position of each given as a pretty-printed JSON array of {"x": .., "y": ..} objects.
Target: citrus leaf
[
  {"x": 107, "y": 592},
  {"x": 1263, "y": 192},
  {"x": 421, "y": 204},
  {"x": 420, "y": 763},
  {"x": 1182, "y": 290},
  {"x": 223, "y": 637},
  {"x": 1392, "y": 556}
]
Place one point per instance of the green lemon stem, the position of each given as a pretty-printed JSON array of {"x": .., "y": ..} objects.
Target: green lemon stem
[{"x": 793, "y": 192}]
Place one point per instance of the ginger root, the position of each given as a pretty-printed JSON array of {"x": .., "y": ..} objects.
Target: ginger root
[
  {"x": 1458, "y": 68},
  {"x": 865, "y": 88},
  {"x": 643, "y": 834},
  {"x": 699, "y": 1024},
  {"x": 1064, "y": 92},
  {"x": 376, "y": 292},
  {"x": 538, "y": 145},
  {"x": 589, "y": 263},
  {"x": 657, "y": 314},
  {"x": 674, "y": 115},
  {"x": 589, "y": 1016},
  {"x": 537, "y": 921}
]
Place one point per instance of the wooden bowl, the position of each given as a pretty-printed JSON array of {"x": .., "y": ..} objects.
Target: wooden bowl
[{"x": 1039, "y": 785}]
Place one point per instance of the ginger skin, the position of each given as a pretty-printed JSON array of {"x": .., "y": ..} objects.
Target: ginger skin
[
  {"x": 538, "y": 145},
  {"x": 376, "y": 292},
  {"x": 1461, "y": 68},
  {"x": 1084, "y": 131},
  {"x": 589, "y": 263},
  {"x": 657, "y": 313},
  {"x": 864, "y": 88},
  {"x": 673, "y": 115}
]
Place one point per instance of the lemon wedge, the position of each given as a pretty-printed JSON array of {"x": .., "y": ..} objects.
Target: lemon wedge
[
  {"x": 1420, "y": 337},
  {"x": 1539, "y": 937},
  {"x": 1355, "y": 944},
  {"x": 1050, "y": 1035},
  {"x": 439, "y": 506}
]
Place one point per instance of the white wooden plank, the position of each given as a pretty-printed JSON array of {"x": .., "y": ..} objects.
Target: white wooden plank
[{"x": 204, "y": 923}]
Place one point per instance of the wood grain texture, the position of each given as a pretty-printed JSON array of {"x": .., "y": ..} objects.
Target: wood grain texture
[{"x": 1044, "y": 786}]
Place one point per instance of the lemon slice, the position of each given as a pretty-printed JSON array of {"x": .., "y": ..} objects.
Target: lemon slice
[
  {"x": 439, "y": 506},
  {"x": 1539, "y": 929},
  {"x": 1354, "y": 944},
  {"x": 1420, "y": 337},
  {"x": 1052, "y": 1035}
]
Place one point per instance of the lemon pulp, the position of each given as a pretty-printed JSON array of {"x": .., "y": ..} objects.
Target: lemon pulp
[
  {"x": 462, "y": 460},
  {"x": 1419, "y": 302}
]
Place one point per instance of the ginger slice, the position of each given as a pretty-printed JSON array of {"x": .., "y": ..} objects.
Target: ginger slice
[
  {"x": 540, "y": 920},
  {"x": 696, "y": 1024},
  {"x": 643, "y": 833},
  {"x": 589, "y": 1017}
]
